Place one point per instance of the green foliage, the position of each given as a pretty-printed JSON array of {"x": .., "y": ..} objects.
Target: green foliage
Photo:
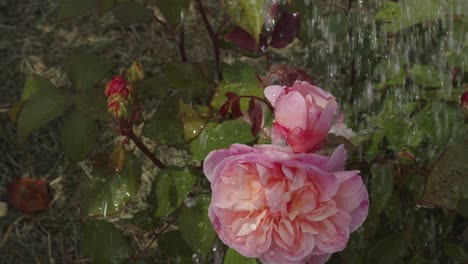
[
  {"x": 174, "y": 247},
  {"x": 220, "y": 136},
  {"x": 248, "y": 14},
  {"x": 240, "y": 89},
  {"x": 106, "y": 5},
  {"x": 78, "y": 135},
  {"x": 73, "y": 8},
  {"x": 170, "y": 189},
  {"x": 201, "y": 235},
  {"x": 104, "y": 243},
  {"x": 133, "y": 13},
  {"x": 426, "y": 75},
  {"x": 233, "y": 257},
  {"x": 381, "y": 187},
  {"x": 33, "y": 84},
  {"x": 239, "y": 72},
  {"x": 86, "y": 70},
  {"x": 42, "y": 107},
  {"x": 107, "y": 192},
  {"x": 92, "y": 102},
  {"x": 173, "y": 10},
  {"x": 189, "y": 80}
]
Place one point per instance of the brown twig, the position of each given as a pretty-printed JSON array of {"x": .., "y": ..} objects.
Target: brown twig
[
  {"x": 181, "y": 45},
  {"x": 145, "y": 149},
  {"x": 213, "y": 37}
]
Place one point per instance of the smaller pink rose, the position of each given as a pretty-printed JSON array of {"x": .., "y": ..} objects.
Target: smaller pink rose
[{"x": 304, "y": 115}]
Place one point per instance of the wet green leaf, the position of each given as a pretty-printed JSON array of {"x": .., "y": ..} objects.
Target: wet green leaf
[
  {"x": 145, "y": 220},
  {"x": 446, "y": 177},
  {"x": 33, "y": 84},
  {"x": 427, "y": 75},
  {"x": 194, "y": 118},
  {"x": 73, "y": 8},
  {"x": 189, "y": 80},
  {"x": 78, "y": 135},
  {"x": 174, "y": 247},
  {"x": 220, "y": 136},
  {"x": 155, "y": 86},
  {"x": 104, "y": 243},
  {"x": 173, "y": 10},
  {"x": 381, "y": 187},
  {"x": 92, "y": 102},
  {"x": 133, "y": 13},
  {"x": 248, "y": 14},
  {"x": 238, "y": 88},
  {"x": 388, "y": 250},
  {"x": 239, "y": 72},
  {"x": 107, "y": 192},
  {"x": 85, "y": 70},
  {"x": 166, "y": 125},
  {"x": 170, "y": 189},
  {"x": 233, "y": 257},
  {"x": 195, "y": 226},
  {"x": 42, "y": 107}
]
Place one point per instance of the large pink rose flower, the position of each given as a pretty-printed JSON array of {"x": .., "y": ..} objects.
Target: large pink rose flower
[
  {"x": 303, "y": 115},
  {"x": 284, "y": 207}
]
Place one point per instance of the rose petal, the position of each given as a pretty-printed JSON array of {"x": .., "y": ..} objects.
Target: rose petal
[
  {"x": 273, "y": 92},
  {"x": 291, "y": 111}
]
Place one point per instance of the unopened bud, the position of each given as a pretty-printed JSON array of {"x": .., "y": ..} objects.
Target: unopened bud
[
  {"x": 464, "y": 104},
  {"x": 135, "y": 72},
  {"x": 118, "y": 85},
  {"x": 118, "y": 106}
]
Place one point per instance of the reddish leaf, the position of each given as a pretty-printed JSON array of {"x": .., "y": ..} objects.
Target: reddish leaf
[
  {"x": 286, "y": 75},
  {"x": 231, "y": 95},
  {"x": 224, "y": 109},
  {"x": 285, "y": 30},
  {"x": 29, "y": 195},
  {"x": 256, "y": 115},
  {"x": 243, "y": 40},
  {"x": 236, "y": 109}
]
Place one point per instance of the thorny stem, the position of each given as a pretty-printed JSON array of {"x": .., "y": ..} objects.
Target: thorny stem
[{"x": 213, "y": 37}]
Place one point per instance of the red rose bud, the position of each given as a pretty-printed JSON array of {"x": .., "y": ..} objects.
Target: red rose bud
[
  {"x": 464, "y": 104},
  {"x": 118, "y": 106},
  {"x": 118, "y": 85}
]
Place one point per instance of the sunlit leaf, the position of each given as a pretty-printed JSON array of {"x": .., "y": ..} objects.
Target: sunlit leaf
[
  {"x": 104, "y": 243},
  {"x": 170, "y": 189},
  {"x": 195, "y": 226},
  {"x": 248, "y": 14},
  {"x": 41, "y": 108},
  {"x": 133, "y": 13},
  {"x": 174, "y": 247},
  {"x": 78, "y": 135},
  {"x": 86, "y": 70},
  {"x": 107, "y": 192},
  {"x": 173, "y": 10},
  {"x": 446, "y": 177},
  {"x": 188, "y": 80},
  {"x": 220, "y": 136},
  {"x": 73, "y": 8},
  {"x": 381, "y": 187},
  {"x": 233, "y": 257}
]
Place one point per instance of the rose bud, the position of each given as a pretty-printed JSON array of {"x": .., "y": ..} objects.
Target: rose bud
[
  {"x": 118, "y": 106},
  {"x": 304, "y": 115},
  {"x": 464, "y": 104},
  {"x": 284, "y": 207},
  {"x": 118, "y": 85}
]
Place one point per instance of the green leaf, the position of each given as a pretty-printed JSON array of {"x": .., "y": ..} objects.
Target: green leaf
[
  {"x": 106, "y": 5},
  {"x": 194, "y": 118},
  {"x": 78, "y": 135},
  {"x": 73, "y": 8},
  {"x": 104, "y": 243},
  {"x": 446, "y": 177},
  {"x": 248, "y": 14},
  {"x": 238, "y": 88},
  {"x": 156, "y": 86},
  {"x": 166, "y": 125},
  {"x": 174, "y": 247},
  {"x": 239, "y": 72},
  {"x": 92, "y": 102},
  {"x": 133, "y": 13},
  {"x": 233, "y": 257},
  {"x": 173, "y": 10},
  {"x": 189, "y": 80},
  {"x": 144, "y": 220},
  {"x": 426, "y": 76},
  {"x": 195, "y": 226},
  {"x": 455, "y": 251},
  {"x": 220, "y": 136},
  {"x": 170, "y": 189},
  {"x": 108, "y": 191},
  {"x": 86, "y": 70},
  {"x": 388, "y": 250},
  {"x": 33, "y": 84},
  {"x": 381, "y": 187},
  {"x": 41, "y": 108}
]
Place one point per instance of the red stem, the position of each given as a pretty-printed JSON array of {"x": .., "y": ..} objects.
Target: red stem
[
  {"x": 213, "y": 37},
  {"x": 145, "y": 150}
]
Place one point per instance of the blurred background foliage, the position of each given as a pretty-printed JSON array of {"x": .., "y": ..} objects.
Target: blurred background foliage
[{"x": 397, "y": 69}]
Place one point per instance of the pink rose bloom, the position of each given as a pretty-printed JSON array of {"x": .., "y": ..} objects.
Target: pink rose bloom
[
  {"x": 284, "y": 207},
  {"x": 303, "y": 115}
]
